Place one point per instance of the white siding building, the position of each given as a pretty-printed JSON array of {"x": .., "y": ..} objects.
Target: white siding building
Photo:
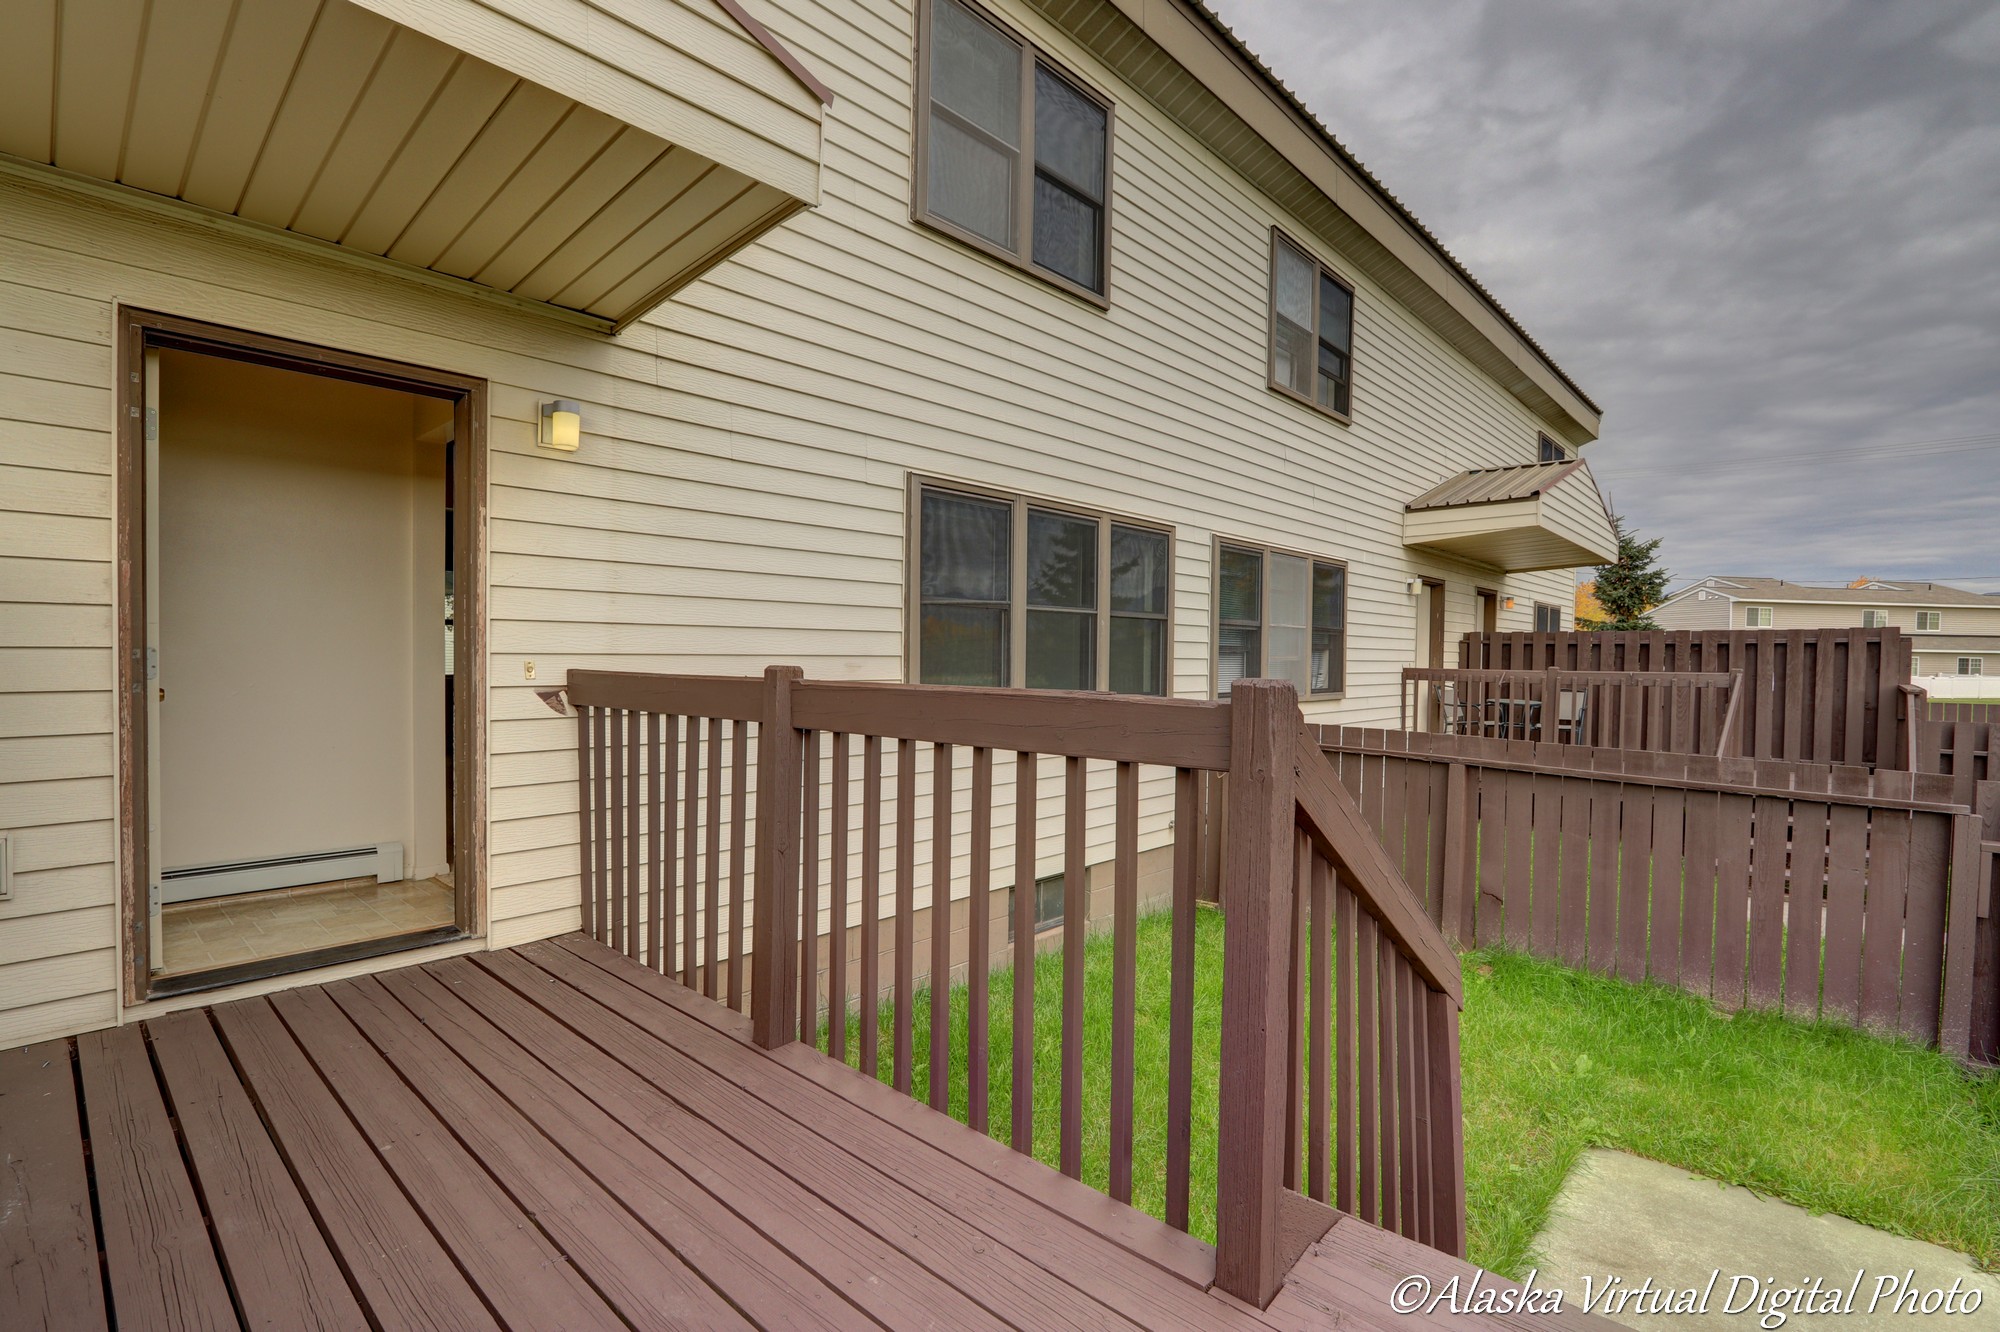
[{"x": 695, "y": 229}]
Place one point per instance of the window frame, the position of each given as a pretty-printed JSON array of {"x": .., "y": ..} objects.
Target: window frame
[
  {"x": 1936, "y": 625},
  {"x": 1017, "y": 582},
  {"x": 1749, "y": 611},
  {"x": 1875, "y": 618},
  {"x": 1280, "y": 236},
  {"x": 1545, "y": 444},
  {"x": 1033, "y": 54},
  {"x": 1553, "y": 609},
  {"x": 1968, "y": 667},
  {"x": 1265, "y": 548}
]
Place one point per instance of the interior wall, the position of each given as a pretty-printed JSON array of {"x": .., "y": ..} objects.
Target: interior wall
[{"x": 301, "y": 547}]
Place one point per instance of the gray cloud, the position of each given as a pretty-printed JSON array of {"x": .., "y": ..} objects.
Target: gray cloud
[{"x": 1763, "y": 234}]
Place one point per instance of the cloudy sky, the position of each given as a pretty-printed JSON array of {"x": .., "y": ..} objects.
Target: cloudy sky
[{"x": 1763, "y": 234}]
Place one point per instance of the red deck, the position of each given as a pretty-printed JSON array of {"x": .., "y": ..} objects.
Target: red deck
[{"x": 554, "y": 1137}]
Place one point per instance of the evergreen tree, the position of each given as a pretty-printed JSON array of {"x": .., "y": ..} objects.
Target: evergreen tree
[{"x": 1630, "y": 587}]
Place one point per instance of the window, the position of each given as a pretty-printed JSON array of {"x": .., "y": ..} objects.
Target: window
[
  {"x": 1929, "y": 622},
  {"x": 1280, "y": 615},
  {"x": 1013, "y": 156},
  {"x": 1552, "y": 451},
  {"x": 1548, "y": 619},
  {"x": 1060, "y": 624},
  {"x": 1756, "y": 617},
  {"x": 1972, "y": 665},
  {"x": 1312, "y": 330},
  {"x": 1048, "y": 905},
  {"x": 1874, "y": 619}
]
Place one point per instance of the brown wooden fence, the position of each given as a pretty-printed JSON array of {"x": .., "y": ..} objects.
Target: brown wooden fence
[
  {"x": 704, "y": 797},
  {"x": 1827, "y": 892},
  {"x": 1810, "y": 695},
  {"x": 1948, "y": 709}
]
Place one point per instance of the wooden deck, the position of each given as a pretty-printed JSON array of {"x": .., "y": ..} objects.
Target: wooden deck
[{"x": 555, "y": 1137}]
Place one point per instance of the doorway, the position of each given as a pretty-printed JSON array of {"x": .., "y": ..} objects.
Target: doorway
[
  {"x": 1488, "y": 608},
  {"x": 1430, "y": 631},
  {"x": 301, "y": 713}
]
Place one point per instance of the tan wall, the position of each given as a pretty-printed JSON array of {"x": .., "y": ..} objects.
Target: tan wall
[
  {"x": 301, "y": 546},
  {"x": 739, "y": 497}
]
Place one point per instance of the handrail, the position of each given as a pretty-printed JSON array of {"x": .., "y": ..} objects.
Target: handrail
[
  {"x": 1339, "y": 1077},
  {"x": 1330, "y": 816}
]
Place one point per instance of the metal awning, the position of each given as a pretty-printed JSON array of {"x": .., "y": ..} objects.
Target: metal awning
[
  {"x": 583, "y": 160},
  {"x": 1517, "y": 519}
]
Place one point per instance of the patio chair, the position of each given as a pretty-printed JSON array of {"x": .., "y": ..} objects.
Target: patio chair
[
  {"x": 1454, "y": 713},
  {"x": 1572, "y": 709}
]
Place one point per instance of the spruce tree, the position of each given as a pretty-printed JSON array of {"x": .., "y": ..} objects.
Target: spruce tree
[{"x": 1631, "y": 586}]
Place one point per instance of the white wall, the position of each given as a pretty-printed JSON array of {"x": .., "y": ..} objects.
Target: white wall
[
  {"x": 301, "y": 540},
  {"x": 739, "y": 497}
]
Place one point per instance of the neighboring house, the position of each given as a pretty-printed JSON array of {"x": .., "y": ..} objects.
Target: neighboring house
[
  {"x": 1955, "y": 633},
  {"x": 1021, "y": 343}
]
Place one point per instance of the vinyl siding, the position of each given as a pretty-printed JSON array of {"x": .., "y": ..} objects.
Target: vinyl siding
[
  {"x": 740, "y": 495},
  {"x": 1690, "y": 613}
]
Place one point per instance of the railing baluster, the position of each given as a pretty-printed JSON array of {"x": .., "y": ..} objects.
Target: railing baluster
[
  {"x": 979, "y": 945},
  {"x": 1076, "y": 912},
  {"x": 940, "y": 986},
  {"x": 1188, "y": 853},
  {"x": 836, "y": 969},
  {"x": 1447, "y": 1145},
  {"x": 1317, "y": 1165},
  {"x": 1124, "y": 981},
  {"x": 809, "y": 899},
  {"x": 1420, "y": 1127},
  {"x": 586, "y": 840},
  {"x": 657, "y": 785},
  {"x": 906, "y": 908},
  {"x": 1027, "y": 797},
  {"x": 739, "y": 791},
  {"x": 690, "y": 876},
  {"x": 1346, "y": 1118},
  {"x": 1406, "y": 1099},
  {"x": 1295, "y": 994},
  {"x": 712, "y": 892},
  {"x": 1367, "y": 1083},
  {"x": 871, "y": 904},
  {"x": 1386, "y": 1050},
  {"x": 614, "y": 805},
  {"x": 635, "y": 833}
]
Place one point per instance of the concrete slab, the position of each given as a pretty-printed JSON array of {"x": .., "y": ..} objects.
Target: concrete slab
[{"x": 1720, "y": 1257}]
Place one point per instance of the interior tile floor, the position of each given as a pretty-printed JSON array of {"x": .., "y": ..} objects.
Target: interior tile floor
[{"x": 223, "y": 931}]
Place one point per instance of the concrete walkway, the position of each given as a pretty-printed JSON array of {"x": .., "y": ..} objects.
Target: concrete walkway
[{"x": 1628, "y": 1219}]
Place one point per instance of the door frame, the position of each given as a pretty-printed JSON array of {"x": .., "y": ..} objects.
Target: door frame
[
  {"x": 137, "y": 331},
  {"x": 1434, "y": 643},
  {"x": 1487, "y": 601}
]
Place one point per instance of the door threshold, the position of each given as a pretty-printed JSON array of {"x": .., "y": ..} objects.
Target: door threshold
[{"x": 267, "y": 968}]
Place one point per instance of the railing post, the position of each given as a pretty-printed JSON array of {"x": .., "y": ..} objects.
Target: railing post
[
  {"x": 1256, "y": 1007},
  {"x": 774, "y": 927}
]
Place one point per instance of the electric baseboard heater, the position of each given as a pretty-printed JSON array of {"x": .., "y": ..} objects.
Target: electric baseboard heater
[{"x": 383, "y": 863}]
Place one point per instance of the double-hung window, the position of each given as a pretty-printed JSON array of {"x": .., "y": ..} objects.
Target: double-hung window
[
  {"x": 1972, "y": 665},
  {"x": 1929, "y": 622},
  {"x": 1548, "y": 619},
  {"x": 1312, "y": 330},
  {"x": 1013, "y": 155},
  {"x": 1757, "y": 617},
  {"x": 1011, "y": 592},
  {"x": 1280, "y": 615},
  {"x": 1874, "y": 619}
]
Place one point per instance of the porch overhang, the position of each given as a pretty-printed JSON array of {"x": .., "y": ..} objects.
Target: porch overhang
[
  {"x": 584, "y": 160},
  {"x": 1516, "y": 519}
]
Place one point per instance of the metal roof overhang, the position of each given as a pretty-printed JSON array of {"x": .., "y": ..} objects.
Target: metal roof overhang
[
  {"x": 584, "y": 161},
  {"x": 1516, "y": 519}
]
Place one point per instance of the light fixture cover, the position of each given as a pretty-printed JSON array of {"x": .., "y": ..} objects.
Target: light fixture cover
[{"x": 562, "y": 425}]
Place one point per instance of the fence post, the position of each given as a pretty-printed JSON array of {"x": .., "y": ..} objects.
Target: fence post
[
  {"x": 1458, "y": 840},
  {"x": 774, "y": 947},
  {"x": 1256, "y": 974}
]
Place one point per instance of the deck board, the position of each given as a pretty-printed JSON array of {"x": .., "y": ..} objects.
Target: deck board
[
  {"x": 555, "y": 1136},
  {"x": 48, "y": 1242}
]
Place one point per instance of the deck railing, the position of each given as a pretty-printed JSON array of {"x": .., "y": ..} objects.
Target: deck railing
[
  {"x": 1677, "y": 712},
  {"x": 889, "y": 819}
]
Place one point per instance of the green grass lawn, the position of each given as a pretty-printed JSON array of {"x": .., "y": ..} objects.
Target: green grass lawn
[{"x": 1557, "y": 1061}]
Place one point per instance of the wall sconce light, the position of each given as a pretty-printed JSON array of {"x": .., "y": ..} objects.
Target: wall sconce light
[
  {"x": 562, "y": 425},
  {"x": 1510, "y": 603},
  {"x": 1413, "y": 586}
]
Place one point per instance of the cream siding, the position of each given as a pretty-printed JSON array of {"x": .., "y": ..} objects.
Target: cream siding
[
  {"x": 740, "y": 494},
  {"x": 1690, "y": 612}
]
